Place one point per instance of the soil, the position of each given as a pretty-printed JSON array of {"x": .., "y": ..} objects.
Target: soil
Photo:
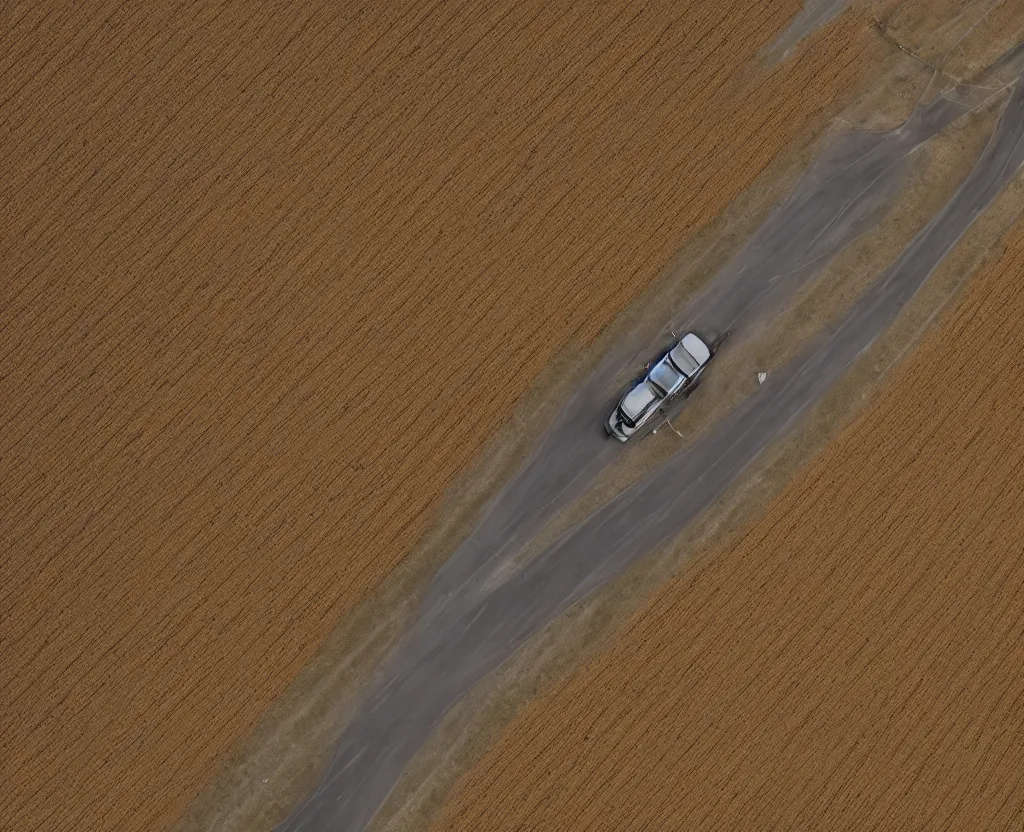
[{"x": 272, "y": 279}]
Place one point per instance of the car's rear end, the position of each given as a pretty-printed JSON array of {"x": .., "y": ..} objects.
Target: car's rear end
[{"x": 690, "y": 355}]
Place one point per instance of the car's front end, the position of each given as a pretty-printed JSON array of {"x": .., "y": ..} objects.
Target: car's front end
[
  {"x": 616, "y": 426},
  {"x": 633, "y": 410}
]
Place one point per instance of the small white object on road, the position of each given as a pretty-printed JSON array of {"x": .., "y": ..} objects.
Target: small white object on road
[{"x": 761, "y": 377}]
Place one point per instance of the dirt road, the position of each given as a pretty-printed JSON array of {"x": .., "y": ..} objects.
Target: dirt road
[
  {"x": 466, "y": 632},
  {"x": 852, "y": 660}
]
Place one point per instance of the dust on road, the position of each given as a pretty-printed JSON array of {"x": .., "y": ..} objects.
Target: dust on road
[
  {"x": 852, "y": 663},
  {"x": 475, "y": 632}
]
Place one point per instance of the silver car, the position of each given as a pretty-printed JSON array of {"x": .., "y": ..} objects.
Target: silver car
[{"x": 675, "y": 374}]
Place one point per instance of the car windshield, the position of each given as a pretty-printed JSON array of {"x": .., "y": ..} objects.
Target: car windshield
[{"x": 665, "y": 377}]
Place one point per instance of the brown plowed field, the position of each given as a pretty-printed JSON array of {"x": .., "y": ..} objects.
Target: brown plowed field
[
  {"x": 855, "y": 661},
  {"x": 247, "y": 249}
]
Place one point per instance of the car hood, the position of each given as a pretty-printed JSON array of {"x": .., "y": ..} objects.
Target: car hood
[{"x": 637, "y": 400}]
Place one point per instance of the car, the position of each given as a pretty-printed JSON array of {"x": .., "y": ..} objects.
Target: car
[{"x": 677, "y": 373}]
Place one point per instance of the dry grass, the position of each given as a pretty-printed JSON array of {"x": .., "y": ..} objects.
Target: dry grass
[
  {"x": 853, "y": 662},
  {"x": 245, "y": 253}
]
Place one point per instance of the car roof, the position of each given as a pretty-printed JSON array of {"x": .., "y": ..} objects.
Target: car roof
[{"x": 665, "y": 375}]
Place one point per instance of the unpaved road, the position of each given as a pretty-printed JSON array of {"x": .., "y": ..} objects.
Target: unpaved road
[
  {"x": 839, "y": 198},
  {"x": 850, "y": 660},
  {"x": 464, "y": 633},
  {"x": 815, "y": 14}
]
